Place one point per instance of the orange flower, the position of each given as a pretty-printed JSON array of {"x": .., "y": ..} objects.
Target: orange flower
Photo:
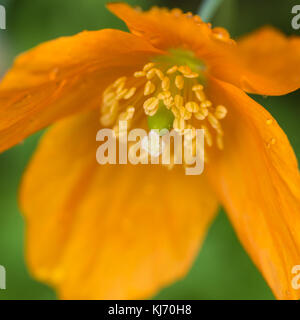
[{"x": 126, "y": 231}]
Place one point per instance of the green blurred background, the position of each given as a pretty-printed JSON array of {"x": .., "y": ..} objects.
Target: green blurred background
[{"x": 222, "y": 269}]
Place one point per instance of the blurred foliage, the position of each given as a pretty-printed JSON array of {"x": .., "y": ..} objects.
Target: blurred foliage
[{"x": 222, "y": 270}]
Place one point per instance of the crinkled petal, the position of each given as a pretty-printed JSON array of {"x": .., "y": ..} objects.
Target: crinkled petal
[
  {"x": 169, "y": 29},
  {"x": 265, "y": 62},
  {"x": 257, "y": 179},
  {"x": 62, "y": 77},
  {"x": 108, "y": 232}
]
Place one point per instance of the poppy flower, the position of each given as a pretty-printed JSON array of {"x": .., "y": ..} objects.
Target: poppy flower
[{"x": 124, "y": 231}]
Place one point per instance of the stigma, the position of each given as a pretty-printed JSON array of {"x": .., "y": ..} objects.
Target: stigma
[{"x": 170, "y": 94}]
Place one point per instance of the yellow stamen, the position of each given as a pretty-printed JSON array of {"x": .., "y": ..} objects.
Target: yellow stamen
[
  {"x": 179, "y": 82},
  {"x": 191, "y": 75},
  {"x": 172, "y": 70},
  {"x": 164, "y": 95},
  {"x": 185, "y": 70},
  {"x": 159, "y": 74},
  {"x": 206, "y": 104},
  {"x": 183, "y": 96},
  {"x": 149, "y": 88},
  {"x": 192, "y": 106},
  {"x": 202, "y": 114},
  {"x": 184, "y": 113},
  {"x": 151, "y": 105},
  {"x": 148, "y": 66},
  {"x": 121, "y": 94},
  {"x": 207, "y": 135},
  {"x": 169, "y": 102},
  {"x": 220, "y": 112},
  {"x": 214, "y": 122},
  {"x": 139, "y": 74},
  {"x": 178, "y": 101},
  {"x": 165, "y": 84},
  {"x": 200, "y": 95},
  {"x": 175, "y": 112},
  {"x": 128, "y": 114},
  {"x": 179, "y": 124},
  {"x": 197, "y": 87},
  {"x": 130, "y": 93},
  {"x": 119, "y": 82},
  {"x": 150, "y": 74},
  {"x": 109, "y": 97}
]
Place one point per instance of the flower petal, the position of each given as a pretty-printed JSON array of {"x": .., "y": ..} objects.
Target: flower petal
[
  {"x": 108, "y": 232},
  {"x": 160, "y": 27},
  {"x": 265, "y": 62},
  {"x": 62, "y": 77},
  {"x": 257, "y": 180}
]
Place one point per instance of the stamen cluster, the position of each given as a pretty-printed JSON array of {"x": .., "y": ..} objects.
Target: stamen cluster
[{"x": 177, "y": 88}]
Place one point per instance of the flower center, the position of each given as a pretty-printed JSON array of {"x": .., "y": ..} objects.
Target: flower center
[{"x": 170, "y": 93}]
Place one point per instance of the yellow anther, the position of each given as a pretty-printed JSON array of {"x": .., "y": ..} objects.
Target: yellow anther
[
  {"x": 192, "y": 75},
  {"x": 179, "y": 124},
  {"x": 114, "y": 107},
  {"x": 179, "y": 82},
  {"x": 130, "y": 93},
  {"x": 197, "y": 87},
  {"x": 165, "y": 84},
  {"x": 150, "y": 74},
  {"x": 110, "y": 108},
  {"x": 200, "y": 95},
  {"x": 130, "y": 110},
  {"x": 139, "y": 74},
  {"x": 128, "y": 114},
  {"x": 108, "y": 90},
  {"x": 109, "y": 97},
  {"x": 178, "y": 100},
  {"x": 220, "y": 112},
  {"x": 148, "y": 66},
  {"x": 151, "y": 105},
  {"x": 175, "y": 112},
  {"x": 192, "y": 106},
  {"x": 206, "y": 104},
  {"x": 121, "y": 94},
  {"x": 163, "y": 95},
  {"x": 184, "y": 113},
  {"x": 159, "y": 74},
  {"x": 172, "y": 70},
  {"x": 202, "y": 114},
  {"x": 120, "y": 87},
  {"x": 149, "y": 88},
  {"x": 119, "y": 81},
  {"x": 214, "y": 122},
  {"x": 169, "y": 102},
  {"x": 152, "y": 112},
  {"x": 207, "y": 136},
  {"x": 185, "y": 70}
]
